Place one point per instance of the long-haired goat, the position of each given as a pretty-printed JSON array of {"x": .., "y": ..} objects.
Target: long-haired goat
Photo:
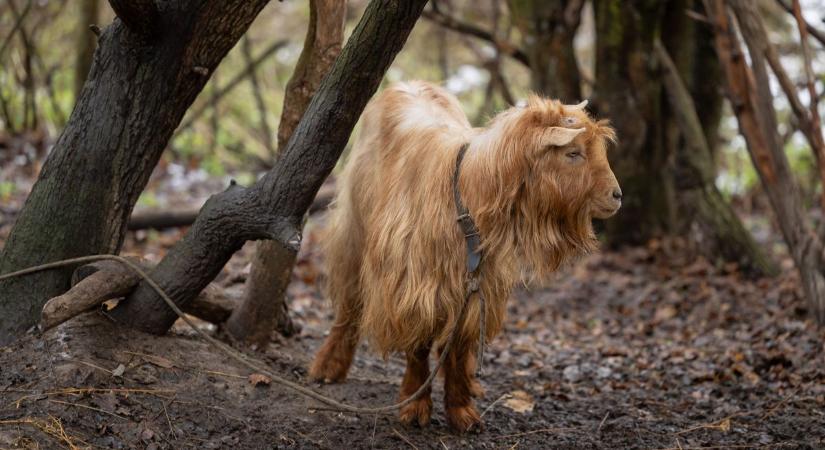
[{"x": 532, "y": 180}]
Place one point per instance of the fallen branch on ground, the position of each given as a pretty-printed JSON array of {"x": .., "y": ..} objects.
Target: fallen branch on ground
[{"x": 100, "y": 281}]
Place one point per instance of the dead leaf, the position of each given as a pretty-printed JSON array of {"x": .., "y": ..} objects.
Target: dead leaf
[
  {"x": 724, "y": 425},
  {"x": 664, "y": 313},
  {"x": 118, "y": 372},
  {"x": 256, "y": 378},
  {"x": 158, "y": 361},
  {"x": 520, "y": 402}
]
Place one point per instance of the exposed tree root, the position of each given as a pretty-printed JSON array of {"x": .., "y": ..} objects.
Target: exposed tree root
[{"x": 100, "y": 281}]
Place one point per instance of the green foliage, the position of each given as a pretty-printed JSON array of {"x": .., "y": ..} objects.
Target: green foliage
[
  {"x": 148, "y": 199},
  {"x": 6, "y": 189}
]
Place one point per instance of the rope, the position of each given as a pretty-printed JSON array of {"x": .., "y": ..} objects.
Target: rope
[{"x": 251, "y": 362}]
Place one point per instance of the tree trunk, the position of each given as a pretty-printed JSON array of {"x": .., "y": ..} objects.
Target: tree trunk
[
  {"x": 273, "y": 208},
  {"x": 86, "y": 42},
  {"x": 150, "y": 65},
  {"x": 548, "y": 28},
  {"x": 708, "y": 219},
  {"x": 665, "y": 161},
  {"x": 264, "y": 305},
  {"x": 628, "y": 91},
  {"x": 750, "y": 94}
]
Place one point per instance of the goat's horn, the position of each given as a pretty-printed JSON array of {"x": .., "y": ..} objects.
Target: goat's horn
[{"x": 580, "y": 106}]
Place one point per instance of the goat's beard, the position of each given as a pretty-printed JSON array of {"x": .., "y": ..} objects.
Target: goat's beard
[{"x": 544, "y": 245}]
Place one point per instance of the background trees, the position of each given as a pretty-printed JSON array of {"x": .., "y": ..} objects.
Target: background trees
[
  {"x": 143, "y": 79},
  {"x": 650, "y": 67}
]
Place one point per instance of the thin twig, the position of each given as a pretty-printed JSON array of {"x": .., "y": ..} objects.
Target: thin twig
[
  {"x": 404, "y": 438},
  {"x": 503, "y": 397},
  {"x": 816, "y": 123},
  {"x": 232, "y": 84},
  {"x": 94, "y": 366},
  {"x": 53, "y": 427},
  {"x": 266, "y": 136},
  {"x": 17, "y": 24},
  {"x": 601, "y": 424},
  {"x": 451, "y": 23},
  {"x": 815, "y": 32},
  {"x": 79, "y": 405}
]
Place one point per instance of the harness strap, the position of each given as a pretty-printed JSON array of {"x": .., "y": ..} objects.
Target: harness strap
[
  {"x": 473, "y": 247},
  {"x": 465, "y": 221}
]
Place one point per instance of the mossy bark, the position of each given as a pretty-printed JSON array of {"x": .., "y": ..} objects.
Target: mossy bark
[
  {"x": 628, "y": 91},
  {"x": 548, "y": 28},
  {"x": 273, "y": 208},
  {"x": 147, "y": 71},
  {"x": 664, "y": 161}
]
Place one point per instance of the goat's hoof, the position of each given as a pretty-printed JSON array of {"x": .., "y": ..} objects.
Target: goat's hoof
[
  {"x": 463, "y": 418},
  {"x": 417, "y": 412},
  {"x": 327, "y": 372}
]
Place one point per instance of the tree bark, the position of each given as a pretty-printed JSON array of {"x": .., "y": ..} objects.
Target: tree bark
[
  {"x": 661, "y": 99},
  {"x": 274, "y": 207},
  {"x": 264, "y": 306},
  {"x": 86, "y": 42},
  {"x": 749, "y": 92},
  {"x": 548, "y": 28},
  {"x": 628, "y": 91},
  {"x": 708, "y": 218},
  {"x": 141, "y": 82}
]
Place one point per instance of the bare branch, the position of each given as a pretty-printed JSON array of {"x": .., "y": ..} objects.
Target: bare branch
[
  {"x": 754, "y": 32},
  {"x": 265, "y": 131},
  {"x": 818, "y": 34},
  {"x": 439, "y": 17},
  {"x": 683, "y": 107},
  {"x": 232, "y": 84},
  {"x": 17, "y": 24},
  {"x": 748, "y": 89},
  {"x": 140, "y": 16},
  {"x": 816, "y": 123}
]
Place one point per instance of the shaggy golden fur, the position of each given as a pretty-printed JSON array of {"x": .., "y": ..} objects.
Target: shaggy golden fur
[{"x": 532, "y": 180}]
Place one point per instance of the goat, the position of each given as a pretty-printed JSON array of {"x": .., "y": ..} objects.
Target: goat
[{"x": 532, "y": 180}]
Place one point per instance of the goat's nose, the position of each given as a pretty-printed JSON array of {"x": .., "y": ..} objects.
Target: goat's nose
[{"x": 617, "y": 194}]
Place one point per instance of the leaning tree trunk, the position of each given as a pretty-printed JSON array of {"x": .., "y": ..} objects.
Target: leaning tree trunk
[
  {"x": 749, "y": 90},
  {"x": 150, "y": 65},
  {"x": 264, "y": 305},
  {"x": 690, "y": 135},
  {"x": 665, "y": 160},
  {"x": 274, "y": 207},
  {"x": 548, "y": 28}
]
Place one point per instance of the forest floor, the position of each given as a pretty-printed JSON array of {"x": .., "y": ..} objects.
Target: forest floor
[{"x": 639, "y": 348}]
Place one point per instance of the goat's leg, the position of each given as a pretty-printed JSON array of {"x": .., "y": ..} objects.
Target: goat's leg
[
  {"x": 460, "y": 387},
  {"x": 333, "y": 360},
  {"x": 418, "y": 369}
]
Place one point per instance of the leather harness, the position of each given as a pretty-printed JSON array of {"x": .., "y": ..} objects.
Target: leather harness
[{"x": 473, "y": 246}]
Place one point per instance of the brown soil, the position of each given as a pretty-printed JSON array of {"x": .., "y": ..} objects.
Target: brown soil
[{"x": 624, "y": 350}]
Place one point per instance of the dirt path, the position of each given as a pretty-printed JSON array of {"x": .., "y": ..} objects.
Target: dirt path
[{"x": 624, "y": 350}]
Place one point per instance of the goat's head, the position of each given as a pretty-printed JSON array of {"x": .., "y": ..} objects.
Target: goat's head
[{"x": 552, "y": 177}]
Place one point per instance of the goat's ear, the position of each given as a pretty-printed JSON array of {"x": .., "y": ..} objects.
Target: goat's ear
[{"x": 560, "y": 136}]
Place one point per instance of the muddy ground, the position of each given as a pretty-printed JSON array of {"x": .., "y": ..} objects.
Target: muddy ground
[{"x": 641, "y": 348}]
